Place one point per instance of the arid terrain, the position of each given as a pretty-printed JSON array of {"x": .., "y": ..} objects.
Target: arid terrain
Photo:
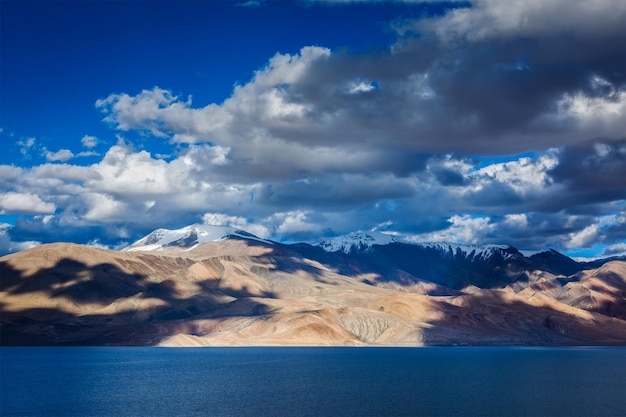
[{"x": 243, "y": 292}]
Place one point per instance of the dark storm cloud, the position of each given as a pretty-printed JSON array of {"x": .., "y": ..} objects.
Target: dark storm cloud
[
  {"x": 485, "y": 95},
  {"x": 615, "y": 232},
  {"x": 595, "y": 164},
  {"x": 448, "y": 177},
  {"x": 331, "y": 192},
  {"x": 471, "y": 90},
  {"x": 593, "y": 172}
]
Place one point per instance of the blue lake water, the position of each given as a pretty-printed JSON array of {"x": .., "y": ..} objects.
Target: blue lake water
[{"x": 251, "y": 381}]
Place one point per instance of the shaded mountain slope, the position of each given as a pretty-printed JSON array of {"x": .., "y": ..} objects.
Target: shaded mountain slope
[{"x": 240, "y": 291}]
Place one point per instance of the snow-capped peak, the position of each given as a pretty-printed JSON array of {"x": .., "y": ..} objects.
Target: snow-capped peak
[
  {"x": 358, "y": 242},
  {"x": 472, "y": 252},
  {"x": 189, "y": 237},
  {"x": 362, "y": 242}
]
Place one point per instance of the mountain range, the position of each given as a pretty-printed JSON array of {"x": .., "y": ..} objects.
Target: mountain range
[{"x": 207, "y": 285}]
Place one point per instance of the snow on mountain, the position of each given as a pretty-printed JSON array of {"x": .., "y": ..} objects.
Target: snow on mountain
[
  {"x": 358, "y": 242},
  {"x": 472, "y": 252},
  {"x": 362, "y": 242},
  {"x": 189, "y": 237}
]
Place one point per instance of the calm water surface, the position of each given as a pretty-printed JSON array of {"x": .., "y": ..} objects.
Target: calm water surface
[{"x": 124, "y": 381}]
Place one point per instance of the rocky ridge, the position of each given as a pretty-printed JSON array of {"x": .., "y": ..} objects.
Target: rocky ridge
[{"x": 237, "y": 289}]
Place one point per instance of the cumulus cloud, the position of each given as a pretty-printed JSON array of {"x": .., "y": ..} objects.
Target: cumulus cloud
[
  {"x": 221, "y": 219},
  {"x": 123, "y": 172},
  {"x": 529, "y": 18},
  {"x": 130, "y": 193},
  {"x": 89, "y": 141},
  {"x": 583, "y": 238},
  {"x": 495, "y": 123},
  {"x": 104, "y": 208},
  {"x": 295, "y": 222},
  {"x": 616, "y": 249},
  {"x": 264, "y": 101},
  {"x": 318, "y": 100},
  {"x": 532, "y": 231},
  {"x": 12, "y": 202},
  {"x": 464, "y": 229},
  {"x": 524, "y": 183},
  {"x": 62, "y": 155},
  {"x": 9, "y": 246}
]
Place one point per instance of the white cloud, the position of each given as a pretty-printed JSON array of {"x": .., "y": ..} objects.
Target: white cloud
[
  {"x": 87, "y": 153},
  {"x": 616, "y": 249},
  {"x": 26, "y": 145},
  {"x": 600, "y": 230},
  {"x": 220, "y": 219},
  {"x": 583, "y": 238},
  {"x": 518, "y": 221},
  {"x": 602, "y": 115},
  {"x": 95, "y": 243},
  {"x": 9, "y": 174},
  {"x": 89, "y": 141},
  {"x": 136, "y": 112},
  {"x": 28, "y": 203},
  {"x": 264, "y": 99},
  {"x": 464, "y": 229},
  {"x": 125, "y": 172},
  {"x": 61, "y": 155},
  {"x": 525, "y": 175},
  {"x": 495, "y": 18},
  {"x": 162, "y": 113},
  {"x": 283, "y": 223},
  {"x": 294, "y": 222},
  {"x": 9, "y": 246},
  {"x": 104, "y": 208},
  {"x": 134, "y": 190},
  {"x": 325, "y": 141},
  {"x": 45, "y": 219},
  {"x": 361, "y": 87}
]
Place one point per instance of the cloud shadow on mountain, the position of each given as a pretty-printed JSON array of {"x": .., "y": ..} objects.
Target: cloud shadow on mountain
[
  {"x": 407, "y": 265},
  {"x": 153, "y": 310},
  {"x": 145, "y": 299},
  {"x": 494, "y": 318}
]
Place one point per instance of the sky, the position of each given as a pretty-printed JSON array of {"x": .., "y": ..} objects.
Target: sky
[{"x": 473, "y": 122}]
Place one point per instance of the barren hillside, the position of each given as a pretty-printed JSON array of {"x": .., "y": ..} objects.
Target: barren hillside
[{"x": 239, "y": 292}]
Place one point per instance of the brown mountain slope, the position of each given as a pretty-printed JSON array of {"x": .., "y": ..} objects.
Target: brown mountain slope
[
  {"x": 601, "y": 290},
  {"x": 235, "y": 292}
]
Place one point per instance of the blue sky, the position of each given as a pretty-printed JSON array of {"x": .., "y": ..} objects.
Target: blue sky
[{"x": 473, "y": 122}]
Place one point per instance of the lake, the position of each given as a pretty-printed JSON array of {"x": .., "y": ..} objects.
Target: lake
[{"x": 303, "y": 381}]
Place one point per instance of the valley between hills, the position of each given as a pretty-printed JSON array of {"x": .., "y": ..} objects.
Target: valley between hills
[{"x": 239, "y": 291}]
